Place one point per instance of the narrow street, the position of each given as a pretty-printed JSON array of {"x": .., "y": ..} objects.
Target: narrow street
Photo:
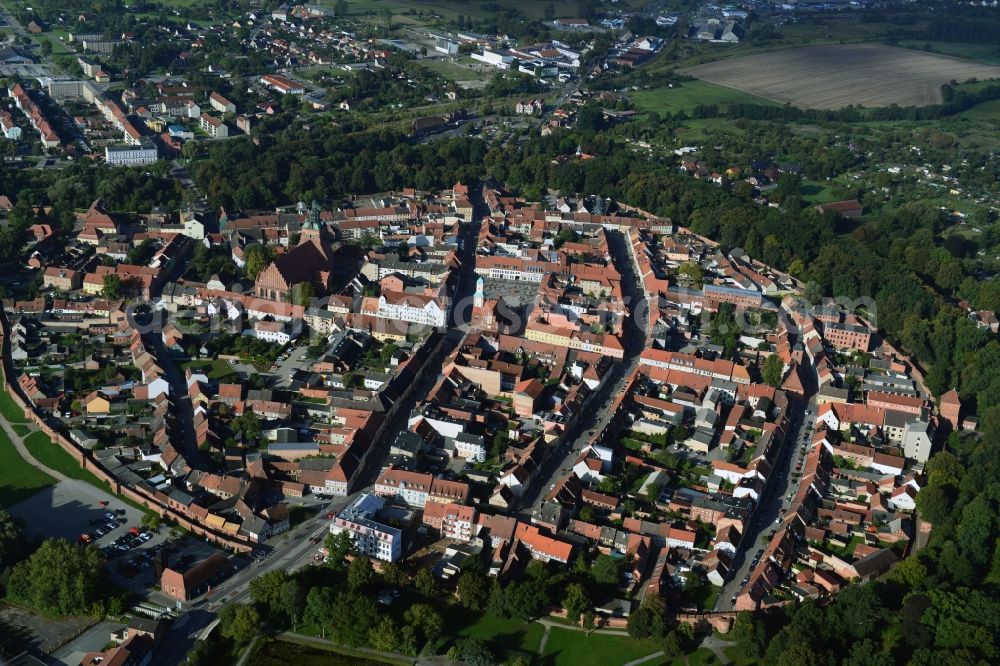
[
  {"x": 775, "y": 499},
  {"x": 598, "y": 413}
]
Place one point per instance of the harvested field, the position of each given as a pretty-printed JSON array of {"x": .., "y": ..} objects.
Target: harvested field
[{"x": 832, "y": 77}]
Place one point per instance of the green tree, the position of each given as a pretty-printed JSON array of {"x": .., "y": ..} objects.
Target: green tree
[
  {"x": 360, "y": 574},
  {"x": 693, "y": 271},
  {"x": 11, "y": 539},
  {"x": 385, "y": 635},
  {"x": 648, "y": 620},
  {"x": 474, "y": 590},
  {"x": 248, "y": 425},
  {"x": 303, "y": 294},
  {"x": 319, "y": 601},
  {"x": 239, "y": 623},
  {"x": 338, "y": 547},
  {"x": 772, "y": 370},
  {"x": 292, "y": 598},
  {"x": 393, "y": 574},
  {"x": 475, "y": 652},
  {"x": 265, "y": 591},
  {"x": 112, "y": 287},
  {"x": 576, "y": 601},
  {"x": 59, "y": 579},
  {"x": 351, "y": 617},
  {"x": 672, "y": 645},
  {"x": 425, "y": 583},
  {"x": 152, "y": 521},
  {"x": 427, "y": 621},
  {"x": 255, "y": 259},
  {"x": 750, "y": 635},
  {"x": 607, "y": 570}
]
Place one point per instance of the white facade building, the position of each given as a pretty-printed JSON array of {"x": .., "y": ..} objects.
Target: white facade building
[
  {"x": 411, "y": 308},
  {"x": 371, "y": 538},
  {"x": 130, "y": 155}
]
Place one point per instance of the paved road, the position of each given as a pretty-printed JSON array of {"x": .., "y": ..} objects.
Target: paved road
[
  {"x": 179, "y": 398},
  {"x": 776, "y": 500},
  {"x": 598, "y": 413}
]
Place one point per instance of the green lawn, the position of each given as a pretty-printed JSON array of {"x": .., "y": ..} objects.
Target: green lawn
[
  {"x": 21, "y": 430},
  {"x": 985, "y": 111},
  {"x": 508, "y": 637},
  {"x": 817, "y": 192},
  {"x": 10, "y": 410},
  {"x": 54, "y": 457},
  {"x": 570, "y": 648},
  {"x": 18, "y": 479},
  {"x": 736, "y": 656},
  {"x": 689, "y": 94},
  {"x": 455, "y": 72},
  {"x": 216, "y": 369}
]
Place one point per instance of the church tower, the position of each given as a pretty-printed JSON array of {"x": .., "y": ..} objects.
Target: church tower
[
  {"x": 312, "y": 228},
  {"x": 479, "y": 297}
]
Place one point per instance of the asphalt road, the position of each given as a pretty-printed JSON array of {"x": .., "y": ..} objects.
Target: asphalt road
[{"x": 776, "y": 500}]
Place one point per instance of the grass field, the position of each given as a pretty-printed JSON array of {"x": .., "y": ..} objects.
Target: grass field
[
  {"x": 816, "y": 192},
  {"x": 832, "y": 77},
  {"x": 985, "y": 111},
  {"x": 685, "y": 96},
  {"x": 18, "y": 479},
  {"x": 566, "y": 647},
  {"x": 736, "y": 656},
  {"x": 455, "y": 72},
  {"x": 9, "y": 409},
  {"x": 510, "y": 637},
  {"x": 987, "y": 53},
  {"x": 54, "y": 457}
]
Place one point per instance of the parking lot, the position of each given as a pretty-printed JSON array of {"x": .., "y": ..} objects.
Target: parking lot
[
  {"x": 133, "y": 562},
  {"x": 71, "y": 509}
]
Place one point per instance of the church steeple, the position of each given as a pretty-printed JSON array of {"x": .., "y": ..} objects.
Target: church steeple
[
  {"x": 312, "y": 227},
  {"x": 479, "y": 298}
]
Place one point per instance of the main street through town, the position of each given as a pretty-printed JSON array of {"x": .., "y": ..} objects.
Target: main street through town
[
  {"x": 781, "y": 488},
  {"x": 598, "y": 411}
]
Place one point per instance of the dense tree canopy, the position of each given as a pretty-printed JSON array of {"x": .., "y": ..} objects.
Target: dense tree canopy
[{"x": 60, "y": 579}]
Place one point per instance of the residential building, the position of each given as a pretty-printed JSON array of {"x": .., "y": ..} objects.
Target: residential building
[
  {"x": 371, "y": 538},
  {"x": 213, "y": 126},
  {"x": 145, "y": 153}
]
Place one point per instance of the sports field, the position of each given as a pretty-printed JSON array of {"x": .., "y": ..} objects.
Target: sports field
[{"x": 835, "y": 76}]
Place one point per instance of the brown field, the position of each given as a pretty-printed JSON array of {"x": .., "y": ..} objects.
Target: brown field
[{"x": 832, "y": 77}]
